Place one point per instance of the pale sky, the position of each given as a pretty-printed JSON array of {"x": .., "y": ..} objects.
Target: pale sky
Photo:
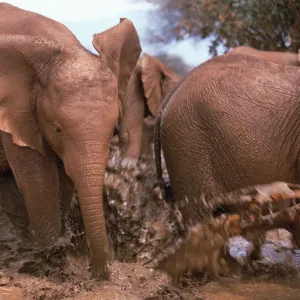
[
  {"x": 78, "y": 10},
  {"x": 86, "y": 17}
]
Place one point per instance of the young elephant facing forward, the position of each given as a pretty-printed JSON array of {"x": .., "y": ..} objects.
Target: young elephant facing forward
[{"x": 57, "y": 99}]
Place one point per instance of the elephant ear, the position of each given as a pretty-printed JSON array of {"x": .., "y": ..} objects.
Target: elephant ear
[
  {"x": 170, "y": 79},
  {"x": 24, "y": 68},
  {"x": 120, "y": 47},
  {"x": 156, "y": 78}
]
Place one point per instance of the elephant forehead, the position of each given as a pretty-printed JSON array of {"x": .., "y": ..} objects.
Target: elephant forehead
[
  {"x": 84, "y": 67},
  {"x": 86, "y": 88},
  {"x": 91, "y": 104}
]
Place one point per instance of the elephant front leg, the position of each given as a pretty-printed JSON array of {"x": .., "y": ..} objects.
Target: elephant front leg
[
  {"x": 67, "y": 191},
  {"x": 148, "y": 136},
  {"x": 38, "y": 181},
  {"x": 131, "y": 144},
  {"x": 254, "y": 250},
  {"x": 131, "y": 125}
]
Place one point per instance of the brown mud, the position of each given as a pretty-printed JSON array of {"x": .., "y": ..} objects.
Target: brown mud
[{"x": 62, "y": 272}]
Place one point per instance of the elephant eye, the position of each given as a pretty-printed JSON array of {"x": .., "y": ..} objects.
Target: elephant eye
[{"x": 57, "y": 128}]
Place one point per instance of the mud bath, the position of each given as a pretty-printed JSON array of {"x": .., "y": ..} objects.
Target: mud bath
[
  {"x": 60, "y": 273},
  {"x": 132, "y": 281}
]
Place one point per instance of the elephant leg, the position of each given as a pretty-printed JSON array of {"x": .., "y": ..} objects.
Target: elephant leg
[
  {"x": 148, "y": 135},
  {"x": 38, "y": 181},
  {"x": 73, "y": 220},
  {"x": 131, "y": 144},
  {"x": 66, "y": 188},
  {"x": 4, "y": 165},
  {"x": 286, "y": 219},
  {"x": 254, "y": 250},
  {"x": 228, "y": 262},
  {"x": 131, "y": 125}
]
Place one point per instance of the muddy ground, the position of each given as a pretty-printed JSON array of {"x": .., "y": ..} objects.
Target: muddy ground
[{"x": 63, "y": 273}]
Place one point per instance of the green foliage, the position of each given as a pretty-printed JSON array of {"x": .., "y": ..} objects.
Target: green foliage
[{"x": 262, "y": 24}]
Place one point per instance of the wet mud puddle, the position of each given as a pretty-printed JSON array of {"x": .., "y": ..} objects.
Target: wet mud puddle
[
  {"x": 276, "y": 276},
  {"x": 251, "y": 291},
  {"x": 7, "y": 293}
]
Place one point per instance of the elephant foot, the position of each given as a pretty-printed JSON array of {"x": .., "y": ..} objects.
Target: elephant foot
[
  {"x": 100, "y": 272},
  {"x": 129, "y": 163},
  {"x": 257, "y": 239},
  {"x": 229, "y": 263},
  {"x": 254, "y": 253},
  {"x": 289, "y": 219},
  {"x": 115, "y": 140}
]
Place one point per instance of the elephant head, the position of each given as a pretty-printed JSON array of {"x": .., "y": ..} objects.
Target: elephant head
[
  {"x": 62, "y": 99},
  {"x": 283, "y": 58},
  {"x": 150, "y": 82},
  {"x": 157, "y": 79}
]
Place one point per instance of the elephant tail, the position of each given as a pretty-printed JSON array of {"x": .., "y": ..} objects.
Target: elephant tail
[{"x": 157, "y": 137}]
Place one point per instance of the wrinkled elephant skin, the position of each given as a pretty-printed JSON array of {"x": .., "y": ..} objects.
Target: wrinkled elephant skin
[
  {"x": 58, "y": 99},
  {"x": 277, "y": 57},
  {"x": 231, "y": 123}
]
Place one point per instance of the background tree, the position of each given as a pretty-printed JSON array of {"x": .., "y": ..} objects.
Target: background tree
[
  {"x": 265, "y": 24},
  {"x": 175, "y": 62}
]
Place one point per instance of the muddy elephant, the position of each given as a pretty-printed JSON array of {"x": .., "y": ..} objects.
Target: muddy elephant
[
  {"x": 58, "y": 100},
  {"x": 283, "y": 58},
  {"x": 150, "y": 82},
  {"x": 232, "y": 122}
]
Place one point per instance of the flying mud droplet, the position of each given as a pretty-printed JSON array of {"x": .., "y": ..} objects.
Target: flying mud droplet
[
  {"x": 140, "y": 220},
  {"x": 201, "y": 250}
]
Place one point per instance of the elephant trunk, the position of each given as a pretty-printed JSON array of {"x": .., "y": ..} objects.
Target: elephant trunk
[{"x": 87, "y": 169}]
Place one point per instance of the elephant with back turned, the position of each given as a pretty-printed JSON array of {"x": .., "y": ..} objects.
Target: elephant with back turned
[
  {"x": 231, "y": 123},
  {"x": 150, "y": 82},
  {"x": 57, "y": 99},
  {"x": 277, "y": 57}
]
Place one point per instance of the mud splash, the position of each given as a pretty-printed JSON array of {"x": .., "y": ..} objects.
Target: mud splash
[
  {"x": 63, "y": 270},
  {"x": 136, "y": 211},
  {"x": 132, "y": 204}
]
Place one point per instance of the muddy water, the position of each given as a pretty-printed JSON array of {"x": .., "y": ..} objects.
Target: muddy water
[
  {"x": 27, "y": 274},
  {"x": 251, "y": 291},
  {"x": 274, "y": 277},
  {"x": 7, "y": 293}
]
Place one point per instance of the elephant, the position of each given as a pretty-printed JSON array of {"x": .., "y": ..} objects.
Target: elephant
[
  {"x": 283, "y": 58},
  {"x": 149, "y": 83},
  {"x": 60, "y": 102},
  {"x": 231, "y": 122}
]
